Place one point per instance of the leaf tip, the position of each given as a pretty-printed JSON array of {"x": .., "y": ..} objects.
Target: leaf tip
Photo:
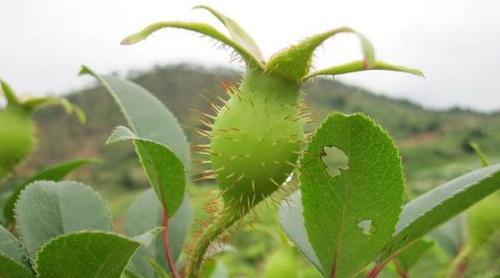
[{"x": 84, "y": 70}]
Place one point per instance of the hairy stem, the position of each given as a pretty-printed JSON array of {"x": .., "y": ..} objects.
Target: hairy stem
[
  {"x": 223, "y": 222},
  {"x": 166, "y": 246}
]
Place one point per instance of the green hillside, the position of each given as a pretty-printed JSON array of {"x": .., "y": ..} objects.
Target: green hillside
[{"x": 434, "y": 144}]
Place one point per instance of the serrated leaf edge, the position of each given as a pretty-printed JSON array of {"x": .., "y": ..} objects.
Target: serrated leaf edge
[
  {"x": 42, "y": 248},
  {"x": 108, "y": 211}
]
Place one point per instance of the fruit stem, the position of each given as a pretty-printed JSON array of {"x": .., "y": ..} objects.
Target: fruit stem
[
  {"x": 224, "y": 221},
  {"x": 166, "y": 246}
]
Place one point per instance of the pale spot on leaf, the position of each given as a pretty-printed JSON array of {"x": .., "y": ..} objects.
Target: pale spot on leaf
[
  {"x": 365, "y": 226},
  {"x": 335, "y": 160}
]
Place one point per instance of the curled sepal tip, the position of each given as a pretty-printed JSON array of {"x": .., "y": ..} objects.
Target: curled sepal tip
[
  {"x": 8, "y": 92},
  {"x": 357, "y": 66},
  {"x": 197, "y": 27},
  {"x": 69, "y": 108},
  {"x": 295, "y": 62},
  {"x": 238, "y": 34}
]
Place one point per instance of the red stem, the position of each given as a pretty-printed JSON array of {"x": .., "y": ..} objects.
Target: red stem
[
  {"x": 166, "y": 247},
  {"x": 462, "y": 269},
  {"x": 377, "y": 269}
]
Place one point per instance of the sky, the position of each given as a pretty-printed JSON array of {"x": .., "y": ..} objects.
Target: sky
[{"x": 456, "y": 43}]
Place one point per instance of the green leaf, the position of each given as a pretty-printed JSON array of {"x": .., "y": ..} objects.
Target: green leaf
[
  {"x": 145, "y": 213},
  {"x": 282, "y": 263},
  {"x": 483, "y": 220},
  {"x": 85, "y": 254},
  {"x": 53, "y": 173},
  {"x": 11, "y": 247},
  {"x": 11, "y": 269},
  {"x": 361, "y": 66},
  {"x": 164, "y": 170},
  {"x": 437, "y": 206},
  {"x": 238, "y": 34},
  {"x": 410, "y": 256},
  {"x": 158, "y": 124},
  {"x": 292, "y": 221},
  {"x": 3, "y": 201},
  {"x": 350, "y": 217},
  {"x": 47, "y": 209},
  {"x": 215, "y": 269},
  {"x": 295, "y": 62},
  {"x": 197, "y": 27},
  {"x": 451, "y": 236},
  {"x": 159, "y": 270},
  {"x": 148, "y": 237}
]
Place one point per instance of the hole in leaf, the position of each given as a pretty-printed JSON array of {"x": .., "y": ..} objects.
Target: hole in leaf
[
  {"x": 335, "y": 160},
  {"x": 366, "y": 227}
]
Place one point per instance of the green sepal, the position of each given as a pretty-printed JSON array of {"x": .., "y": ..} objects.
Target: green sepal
[
  {"x": 238, "y": 34},
  {"x": 197, "y": 27},
  {"x": 9, "y": 93},
  {"x": 357, "y": 66},
  {"x": 295, "y": 62},
  {"x": 69, "y": 108}
]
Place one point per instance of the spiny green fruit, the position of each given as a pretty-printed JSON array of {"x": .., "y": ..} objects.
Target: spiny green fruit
[
  {"x": 256, "y": 139},
  {"x": 257, "y": 134},
  {"x": 17, "y": 137},
  {"x": 17, "y": 128}
]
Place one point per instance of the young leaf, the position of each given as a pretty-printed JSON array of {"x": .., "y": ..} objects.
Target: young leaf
[
  {"x": 53, "y": 173},
  {"x": 237, "y": 33},
  {"x": 200, "y": 28},
  {"x": 292, "y": 221},
  {"x": 350, "y": 217},
  {"x": 437, "y": 206},
  {"x": 47, "y": 209},
  {"x": 361, "y": 66},
  {"x": 164, "y": 169},
  {"x": 145, "y": 213},
  {"x": 85, "y": 254},
  {"x": 295, "y": 62},
  {"x": 158, "y": 124},
  {"x": 12, "y": 269},
  {"x": 11, "y": 247}
]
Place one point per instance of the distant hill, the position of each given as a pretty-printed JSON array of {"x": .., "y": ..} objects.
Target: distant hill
[{"x": 434, "y": 144}]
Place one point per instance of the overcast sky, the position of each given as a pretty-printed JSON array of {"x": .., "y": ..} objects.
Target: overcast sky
[{"x": 456, "y": 43}]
